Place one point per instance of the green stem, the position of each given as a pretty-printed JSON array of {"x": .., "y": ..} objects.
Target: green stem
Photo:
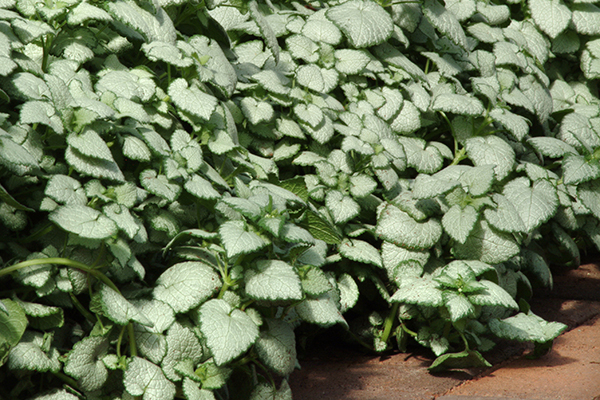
[
  {"x": 389, "y": 323},
  {"x": 120, "y": 341},
  {"x": 89, "y": 316},
  {"x": 61, "y": 261},
  {"x": 461, "y": 155},
  {"x": 67, "y": 379},
  {"x": 132, "y": 345},
  {"x": 411, "y": 333}
]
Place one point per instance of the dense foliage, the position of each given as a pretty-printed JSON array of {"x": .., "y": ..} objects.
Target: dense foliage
[{"x": 184, "y": 183}]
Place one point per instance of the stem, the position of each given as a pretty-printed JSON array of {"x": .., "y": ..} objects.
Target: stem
[
  {"x": 120, "y": 340},
  {"x": 89, "y": 316},
  {"x": 67, "y": 379},
  {"x": 132, "y": 345},
  {"x": 61, "y": 261},
  {"x": 389, "y": 323},
  {"x": 411, "y": 333},
  {"x": 461, "y": 155}
]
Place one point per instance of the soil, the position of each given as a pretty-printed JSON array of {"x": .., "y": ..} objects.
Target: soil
[{"x": 570, "y": 371}]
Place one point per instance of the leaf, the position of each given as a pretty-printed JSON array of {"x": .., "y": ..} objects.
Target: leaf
[
  {"x": 193, "y": 392},
  {"x": 552, "y": 16},
  {"x": 273, "y": 280},
  {"x": 56, "y": 394},
  {"x": 256, "y": 111},
  {"x": 458, "y": 305},
  {"x": 457, "y": 104},
  {"x": 365, "y": 23},
  {"x": 491, "y": 150},
  {"x": 152, "y": 27},
  {"x": 186, "y": 285},
  {"x": 361, "y": 251},
  {"x": 321, "y": 80},
  {"x": 182, "y": 344},
  {"x": 586, "y": 19},
  {"x": 459, "y": 221},
  {"x": 420, "y": 291},
  {"x": 424, "y": 157},
  {"x": 135, "y": 149},
  {"x": 310, "y": 114},
  {"x": 445, "y": 22},
  {"x": 228, "y": 331},
  {"x": 276, "y": 347},
  {"x": 589, "y": 195},
  {"x": 321, "y": 30},
  {"x": 246, "y": 207},
  {"x": 143, "y": 378},
  {"x": 578, "y": 169},
  {"x": 551, "y": 147},
  {"x": 505, "y": 216},
  {"x": 264, "y": 391},
  {"x": 31, "y": 354},
  {"x": 535, "y": 204},
  {"x": 191, "y": 99},
  {"x": 487, "y": 245},
  {"x": 91, "y": 166},
  {"x": 84, "y": 221},
  {"x": 118, "y": 309},
  {"x": 238, "y": 240},
  {"x": 514, "y": 123},
  {"x": 66, "y": 190},
  {"x": 349, "y": 61},
  {"x": 493, "y": 295},
  {"x": 85, "y": 364},
  {"x": 321, "y": 311},
  {"x": 42, "y": 112},
  {"x": 265, "y": 29},
  {"x": 398, "y": 227},
  {"x": 464, "y": 359},
  {"x": 526, "y": 328},
  {"x": 321, "y": 229},
  {"x": 426, "y": 186},
  {"x": 12, "y": 326},
  {"x": 342, "y": 208},
  {"x": 159, "y": 185}
]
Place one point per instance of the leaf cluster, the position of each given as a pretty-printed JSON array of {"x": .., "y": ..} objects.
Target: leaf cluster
[{"x": 186, "y": 182}]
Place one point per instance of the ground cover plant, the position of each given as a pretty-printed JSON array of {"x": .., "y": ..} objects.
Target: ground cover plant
[{"x": 185, "y": 183}]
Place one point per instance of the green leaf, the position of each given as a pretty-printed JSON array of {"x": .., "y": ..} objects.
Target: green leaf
[
  {"x": 265, "y": 29},
  {"x": 42, "y": 317},
  {"x": 321, "y": 30},
  {"x": 459, "y": 221},
  {"x": 193, "y": 392},
  {"x": 159, "y": 185},
  {"x": 66, "y": 190},
  {"x": 191, "y": 99},
  {"x": 420, "y": 291},
  {"x": 348, "y": 292},
  {"x": 491, "y": 150},
  {"x": 135, "y": 149},
  {"x": 424, "y": 157},
  {"x": 84, "y": 221},
  {"x": 276, "y": 347},
  {"x": 458, "y": 305},
  {"x": 273, "y": 280},
  {"x": 201, "y": 188},
  {"x": 487, "y": 245},
  {"x": 321, "y": 80},
  {"x": 182, "y": 344},
  {"x": 118, "y": 309},
  {"x": 361, "y": 251},
  {"x": 32, "y": 354},
  {"x": 85, "y": 364},
  {"x": 342, "y": 208},
  {"x": 577, "y": 169},
  {"x": 589, "y": 195},
  {"x": 41, "y": 112},
  {"x": 365, "y": 23},
  {"x": 535, "y": 204},
  {"x": 186, "y": 285},
  {"x": 143, "y": 378},
  {"x": 322, "y": 311},
  {"x": 349, "y": 61},
  {"x": 400, "y": 228},
  {"x": 586, "y": 19},
  {"x": 91, "y": 166},
  {"x": 505, "y": 216},
  {"x": 552, "y": 16},
  {"x": 256, "y": 111},
  {"x": 321, "y": 229},
  {"x": 551, "y": 147},
  {"x": 56, "y": 394},
  {"x": 426, "y": 186},
  {"x": 152, "y": 27},
  {"x": 526, "y": 328},
  {"x": 245, "y": 207},
  {"x": 12, "y": 327},
  {"x": 445, "y": 22},
  {"x": 238, "y": 240},
  {"x": 310, "y": 114},
  {"x": 464, "y": 359},
  {"x": 264, "y": 391},
  {"x": 228, "y": 331},
  {"x": 493, "y": 295}
]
